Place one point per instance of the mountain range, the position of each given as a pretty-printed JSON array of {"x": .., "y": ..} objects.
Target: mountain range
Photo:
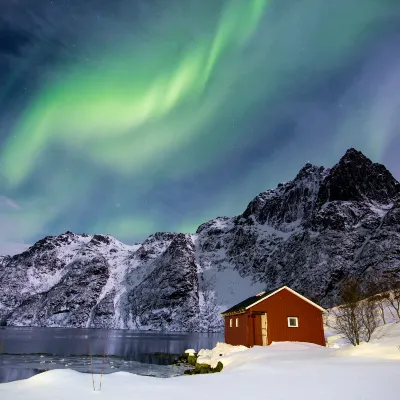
[{"x": 309, "y": 233}]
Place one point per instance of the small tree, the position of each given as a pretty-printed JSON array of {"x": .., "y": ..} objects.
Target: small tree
[
  {"x": 393, "y": 285},
  {"x": 381, "y": 301},
  {"x": 376, "y": 289},
  {"x": 369, "y": 318},
  {"x": 357, "y": 317},
  {"x": 348, "y": 317}
]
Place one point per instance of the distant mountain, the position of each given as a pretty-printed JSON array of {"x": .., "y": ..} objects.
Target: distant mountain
[{"x": 309, "y": 233}]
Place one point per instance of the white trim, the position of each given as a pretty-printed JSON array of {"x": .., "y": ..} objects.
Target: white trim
[
  {"x": 293, "y": 326},
  {"x": 291, "y": 291}
]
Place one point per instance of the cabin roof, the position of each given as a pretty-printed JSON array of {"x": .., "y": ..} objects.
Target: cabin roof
[{"x": 244, "y": 305}]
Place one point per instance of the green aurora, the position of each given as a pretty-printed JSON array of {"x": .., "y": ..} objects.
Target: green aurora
[
  {"x": 115, "y": 110},
  {"x": 167, "y": 104}
]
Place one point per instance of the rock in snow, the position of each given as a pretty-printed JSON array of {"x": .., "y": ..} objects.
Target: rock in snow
[{"x": 309, "y": 233}]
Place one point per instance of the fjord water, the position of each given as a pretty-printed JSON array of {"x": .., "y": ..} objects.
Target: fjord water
[{"x": 31, "y": 350}]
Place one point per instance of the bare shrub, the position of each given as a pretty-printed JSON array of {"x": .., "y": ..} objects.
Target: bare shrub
[
  {"x": 393, "y": 285},
  {"x": 357, "y": 316},
  {"x": 376, "y": 290},
  {"x": 381, "y": 301},
  {"x": 369, "y": 318},
  {"x": 91, "y": 368},
  {"x": 102, "y": 369},
  {"x": 347, "y": 318}
]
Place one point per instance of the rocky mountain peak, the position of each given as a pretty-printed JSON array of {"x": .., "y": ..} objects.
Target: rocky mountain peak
[
  {"x": 356, "y": 178},
  {"x": 179, "y": 246},
  {"x": 100, "y": 239},
  {"x": 308, "y": 171},
  {"x": 354, "y": 156},
  {"x": 290, "y": 203},
  {"x": 4, "y": 260},
  {"x": 215, "y": 225}
]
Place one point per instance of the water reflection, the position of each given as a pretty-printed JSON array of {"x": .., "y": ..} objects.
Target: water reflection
[
  {"x": 10, "y": 374},
  {"x": 130, "y": 346}
]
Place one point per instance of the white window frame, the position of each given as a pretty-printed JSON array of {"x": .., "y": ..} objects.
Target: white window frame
[
  {"x": 293, "y": 326},
  {"x": 230, "y": 323},
  {"x": 237, "y": 322}
]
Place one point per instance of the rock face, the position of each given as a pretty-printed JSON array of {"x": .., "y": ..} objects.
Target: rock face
[{"x": 309, "y": 233}]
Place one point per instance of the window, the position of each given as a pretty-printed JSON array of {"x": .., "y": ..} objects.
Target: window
[
  {"x": 237, "y": 322},
  {"x": 293, "y": 322},
  {"x": 230, "y": 323}
]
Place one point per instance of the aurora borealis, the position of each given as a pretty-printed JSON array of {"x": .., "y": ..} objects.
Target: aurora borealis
[{"x": 136, "y": 116}]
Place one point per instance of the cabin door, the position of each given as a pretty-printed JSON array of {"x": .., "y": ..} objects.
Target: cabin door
[{"x": 264, "y": 329}]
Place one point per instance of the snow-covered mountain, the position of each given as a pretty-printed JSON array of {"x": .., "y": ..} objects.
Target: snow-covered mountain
[{"x": 308, "y": 233}]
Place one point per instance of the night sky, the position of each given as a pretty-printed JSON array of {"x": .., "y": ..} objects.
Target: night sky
[{"x": 129, "y": 117}]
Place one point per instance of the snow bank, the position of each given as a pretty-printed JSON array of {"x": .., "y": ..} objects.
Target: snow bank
[
  {"x": 218, "y": 353},
  {"x": 384, "y": 344}
]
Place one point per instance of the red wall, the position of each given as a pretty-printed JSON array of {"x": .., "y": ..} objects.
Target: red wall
[
  {"x": 236, "y": 336},
  {"x": 286, "y": 304},
  {"x": 278, "y": 307}
]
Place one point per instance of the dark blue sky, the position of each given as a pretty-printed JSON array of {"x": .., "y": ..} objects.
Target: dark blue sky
[{"x": 131, "y": 117}]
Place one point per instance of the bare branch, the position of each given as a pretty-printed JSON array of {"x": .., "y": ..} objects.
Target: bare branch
[
  {"x": 357, "y": 317},
  {"x": 91, "y": 367}
]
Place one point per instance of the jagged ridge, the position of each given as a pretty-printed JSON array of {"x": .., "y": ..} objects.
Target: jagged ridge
[{"x": 309, "y": 233}]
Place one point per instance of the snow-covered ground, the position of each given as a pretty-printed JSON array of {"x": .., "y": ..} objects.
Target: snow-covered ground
[
  {"x": 286, "y": 370},
  {"x": 383, "y": 333}
]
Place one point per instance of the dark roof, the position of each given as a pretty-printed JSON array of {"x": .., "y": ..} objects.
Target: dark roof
[{"x": 241, "y": 307}]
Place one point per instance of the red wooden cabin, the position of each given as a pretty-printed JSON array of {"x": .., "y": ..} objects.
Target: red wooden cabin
[{"x": 280, "y": 315}]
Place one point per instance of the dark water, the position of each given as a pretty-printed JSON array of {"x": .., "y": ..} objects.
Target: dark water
[{"x": 28, "y": 351}]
